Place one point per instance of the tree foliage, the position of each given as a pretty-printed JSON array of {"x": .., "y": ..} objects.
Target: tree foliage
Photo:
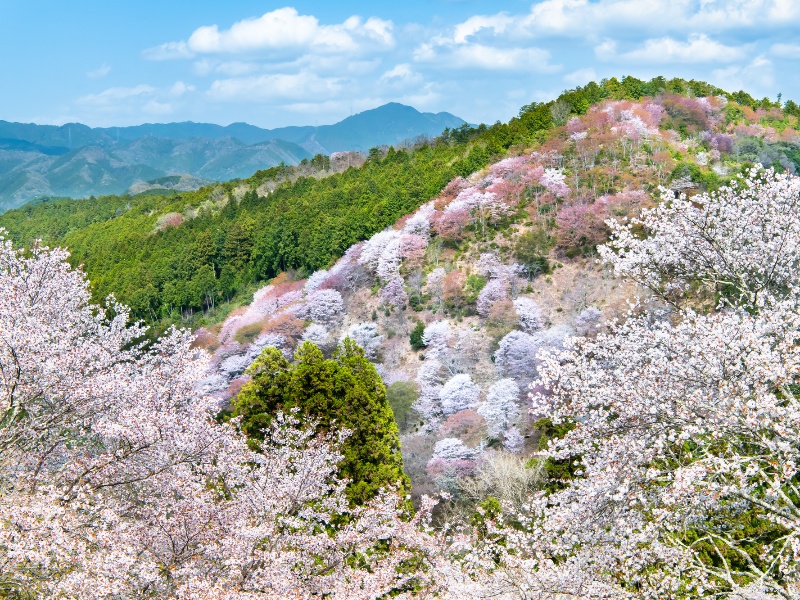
[{"x": 344, "y": 392}]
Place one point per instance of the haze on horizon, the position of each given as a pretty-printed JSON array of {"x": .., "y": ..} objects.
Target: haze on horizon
[{"x": 273, "y": 64}]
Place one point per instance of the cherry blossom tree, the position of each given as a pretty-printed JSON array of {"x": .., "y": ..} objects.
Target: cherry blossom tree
[
  {"x": 389, "y": 260},
  {"x": 458, "y": 393},
  {"x": 490, "y": 266},
  {"x": 680, "y": 453},
  {"x": 116, "y": 482},
  {"x": 371, "y": 251},
  {"x": 501, "y": 406},
  {"x": 494, "y": 291},
  {"x": 393, "y": 292},
  {"x": 317, "y": 335},
  {"x": 436, "y": 338},
  {"x": 516, "y": 356},
  {"x": 743, "y": 239},
  {"x": 316, "y": 279},
  {"x": 530, "y": 315},
  {"x": 412, "y": 249},
  {"x": 514, "y": 441},
  {"x": 452, "y": 459},
  {"x": 588, "y": 321},
  {"x": 367, "y": 337},
  {"x": 420, "y": 222},
  {"x": 429, "y": 380},
  {"x": 451, "y": 225},
  {"x": 554, "y": 181},
  {"x": 323, "y": 306},
  {"x": 435, "y": 287}
]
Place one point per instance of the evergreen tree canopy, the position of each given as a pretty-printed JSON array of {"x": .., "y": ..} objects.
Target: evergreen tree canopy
[{"x": 342, "y": 392}]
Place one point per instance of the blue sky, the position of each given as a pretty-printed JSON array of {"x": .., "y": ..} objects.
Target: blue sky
[{"x": 275, "y": 63}]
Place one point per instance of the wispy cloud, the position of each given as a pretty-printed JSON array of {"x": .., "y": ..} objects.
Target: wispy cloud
[
  {"x": 299, "y": 86},
  {"x": 116, "y": 94},
  {"x": 99, "y": 72},
  {"x": 698, "y": 48},
  {"x": 786, "y": 50}
]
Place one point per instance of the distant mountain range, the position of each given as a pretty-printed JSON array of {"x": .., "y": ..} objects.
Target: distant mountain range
[{"x": 78, "y": 161}]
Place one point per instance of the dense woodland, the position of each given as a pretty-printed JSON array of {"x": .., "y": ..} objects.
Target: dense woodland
[
  {"x": 583, "y": 323},
  {"x": 168, "y": 257}
]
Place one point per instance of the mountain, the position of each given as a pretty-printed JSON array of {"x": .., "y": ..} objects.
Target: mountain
[
  {"x": 386, "y": 125},
  {"x": 79, "y": 161}
]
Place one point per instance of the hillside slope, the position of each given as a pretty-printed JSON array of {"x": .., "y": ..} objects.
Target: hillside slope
[
  {"x": 454, "y": 301},
  {"x": 487, "y": 256}
]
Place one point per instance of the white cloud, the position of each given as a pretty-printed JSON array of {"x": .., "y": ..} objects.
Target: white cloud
[
  {"x": 99, "y": 72},
  {"x": 580, "y": 77},
  {"x": 280, "y": 30},
  {"x": 401, "y": 74},
  {"x": 496, "y": 23},
  {"x": 606, "y": 50},
  {"x": 231, "y": 68},
  {"x": 756, "y": 77},
  {"x": 116, "y": 94},
  {"x": 748, "y": 14},
  {"x": 444, "y": 52},
  {"x": 299, "y": 86},
  {"x": 697, "y": 49},
  {"x": 786, "y": 50},
  {"x": 599, "y": 18},
  {"x": 341, "y": 107},
  {"x": 168, "y": 51},
  {"x": 488, "y": 57},
  {"x": 426, "y": 98},
  {"x": 180, "y": 88}
]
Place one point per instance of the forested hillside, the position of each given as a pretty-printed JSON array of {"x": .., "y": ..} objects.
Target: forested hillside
[
  {"x": 583, "y": 321},
  {"x": 171, "y": 256}
]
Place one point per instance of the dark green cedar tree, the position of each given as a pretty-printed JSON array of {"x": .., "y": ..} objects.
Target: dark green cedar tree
[{"x": 343, "y": 392}]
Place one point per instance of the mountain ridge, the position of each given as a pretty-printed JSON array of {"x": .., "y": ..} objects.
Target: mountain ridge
[{"x": 50, "y": 160}]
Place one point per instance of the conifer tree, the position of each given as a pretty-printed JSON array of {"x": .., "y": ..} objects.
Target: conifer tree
[{"x": 344, "y": 392}]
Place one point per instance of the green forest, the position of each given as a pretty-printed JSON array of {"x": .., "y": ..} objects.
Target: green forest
[{"x": 173, "y": 258}]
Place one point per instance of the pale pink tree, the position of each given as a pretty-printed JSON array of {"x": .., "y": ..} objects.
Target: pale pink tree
[
  {"x": 721, "y": 240},
  {"x": 323, "y": 306},
  {"x": 372, "y": 250},
  {"x": 436, "y": 338},
  {"x": 555, "y": 182},
  {"x": 429, "y": 380},
  {"x": 501, "y": 407},
  {"x": 588, "y": 322},
  {"x": 530, "y": 315},
  {"x": 451, "y": 225},
  {"x": 513, "y": 441},
  {"x": 493, "y": 292},
  {"x": 458, "y": 393},
  {"x": 366, "y": 335},
  {"x": 516, "y": 356},
  {"x": 490, "y": 266},
  {"x": 316, "y": 279},
  {"x": 452, "y": 459},
  {"x": 393, "y": 293},
  {"x": 318, "y": 335},
  {"x": 412, "y": 249},
  {"x": 434, "y": 286},
  {"x": 117, "y": 482},
  {"x": 687, "y": 420},
  {"x": 420, "y": 222}
]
